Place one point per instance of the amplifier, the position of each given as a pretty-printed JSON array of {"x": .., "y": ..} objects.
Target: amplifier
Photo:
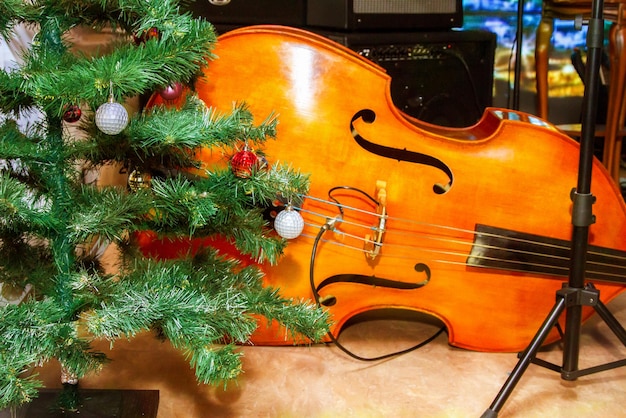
[
  {"x": 385, "y": 14},
  {"x": 444, "y": 78},
  {"x": 250, "y": 12}
]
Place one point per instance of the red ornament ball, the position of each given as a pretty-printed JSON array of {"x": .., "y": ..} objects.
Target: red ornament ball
[
  {"x": 72, "y": 114},
  {"x": 171, "y": 92},
  {"x": 152, "y": 33},
  {"x": 243, "y": 162}
]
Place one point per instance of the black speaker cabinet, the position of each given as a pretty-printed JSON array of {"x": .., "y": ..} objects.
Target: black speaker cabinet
[
  {"x": 250, "y": 12},
  {"x": 385, "y": 14},
  {"x": 444, "y": 78}
]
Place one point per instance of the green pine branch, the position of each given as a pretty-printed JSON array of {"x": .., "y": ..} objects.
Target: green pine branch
[
  {"x": 53, "y": 227},
  {"x": 52, "y": 78}
]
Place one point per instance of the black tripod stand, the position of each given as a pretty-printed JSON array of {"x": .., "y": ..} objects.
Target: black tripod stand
[{"x": 574, "y": 295}]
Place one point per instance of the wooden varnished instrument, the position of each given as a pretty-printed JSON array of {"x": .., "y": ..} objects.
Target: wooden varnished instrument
[{"x": 470, "y": 225}]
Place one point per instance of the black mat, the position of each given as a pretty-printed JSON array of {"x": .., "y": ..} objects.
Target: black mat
[{"x": 94, "y": 403}]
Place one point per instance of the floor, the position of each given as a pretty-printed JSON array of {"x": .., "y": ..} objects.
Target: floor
[{"x": 321, "y": 381}]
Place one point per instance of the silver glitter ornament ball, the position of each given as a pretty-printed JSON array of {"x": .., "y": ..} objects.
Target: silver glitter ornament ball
[
  {"x": 289, "y": 223},
  {"x": 111, "y": 118}
]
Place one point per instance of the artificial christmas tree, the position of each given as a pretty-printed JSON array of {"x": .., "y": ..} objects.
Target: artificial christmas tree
[{"x": 53, "y": 225}]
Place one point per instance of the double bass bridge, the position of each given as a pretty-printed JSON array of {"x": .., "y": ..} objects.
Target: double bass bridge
[{"x": 373, "y": 243}]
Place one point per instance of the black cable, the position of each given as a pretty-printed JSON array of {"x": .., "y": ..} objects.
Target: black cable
[
  {"x": 339, "y": 205},
  {"x": 479, "y": 108}
]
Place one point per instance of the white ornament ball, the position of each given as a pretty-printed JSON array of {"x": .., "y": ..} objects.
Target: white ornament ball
[
  {"x": 289, "y": 224},
  {"x": 111, "y": 118}
]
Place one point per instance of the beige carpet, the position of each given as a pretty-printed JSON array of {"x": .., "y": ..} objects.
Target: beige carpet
[{"x": 321, "y": 381}]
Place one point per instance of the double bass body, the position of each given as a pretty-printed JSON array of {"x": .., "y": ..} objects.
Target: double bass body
[{"x": 402, "y": 200}]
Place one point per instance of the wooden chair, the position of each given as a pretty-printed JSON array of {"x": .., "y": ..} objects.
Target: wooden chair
[{"x": 614, "y": 12}]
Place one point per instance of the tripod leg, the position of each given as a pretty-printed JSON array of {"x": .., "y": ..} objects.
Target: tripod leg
[{"x": 525, "y": 359}]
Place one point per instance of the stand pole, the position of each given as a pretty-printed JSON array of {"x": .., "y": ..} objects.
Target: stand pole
[
  {"x": 582, "y": 216},
  {"x": 574, "y": 295}
]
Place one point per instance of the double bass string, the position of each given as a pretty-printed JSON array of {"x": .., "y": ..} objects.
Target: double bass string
[{"x": 447, "y": 237}]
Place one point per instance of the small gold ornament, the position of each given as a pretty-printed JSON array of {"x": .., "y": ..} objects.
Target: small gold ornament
[{"x": 138, "y": 180}]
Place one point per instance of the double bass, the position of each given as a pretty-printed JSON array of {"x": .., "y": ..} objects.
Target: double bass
[{"x": 470, "y": 225}]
